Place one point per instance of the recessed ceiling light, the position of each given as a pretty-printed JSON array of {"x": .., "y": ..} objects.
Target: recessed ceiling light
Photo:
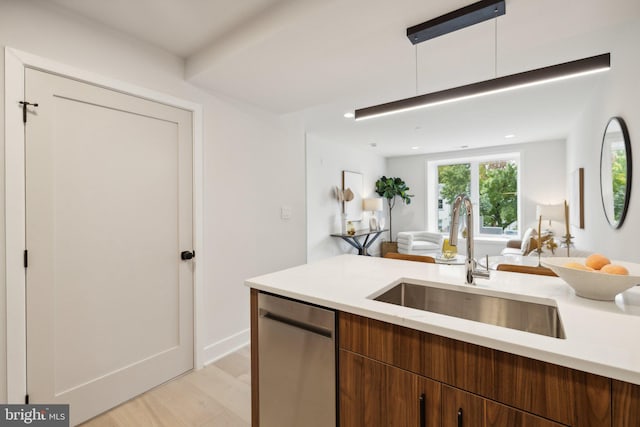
[
  {"x": 415, "y": 147},
  {"x": 510, "y": 136},
  {"x": 464, "y": 146},
  {"x": 349, "y": 115},
  {"x": 373, "y": 145}
]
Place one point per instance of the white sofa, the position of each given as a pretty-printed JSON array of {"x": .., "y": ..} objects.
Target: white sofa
[
  {"x": 523, "y": 246},
  {"x": 528, "y": 246},
  {"x": 419, "y": 242}
]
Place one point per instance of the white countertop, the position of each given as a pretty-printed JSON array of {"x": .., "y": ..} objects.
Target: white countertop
[{"x": 601, "y": 337}]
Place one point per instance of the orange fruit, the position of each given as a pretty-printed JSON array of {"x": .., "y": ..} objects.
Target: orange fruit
[
  {"x": 614, "y": 269},
  {"x": 577, "y": 266},
  {"x": 597, "y": 261}
]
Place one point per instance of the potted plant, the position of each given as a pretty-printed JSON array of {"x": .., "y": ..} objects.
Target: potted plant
[{"x": 390, "y": 188}]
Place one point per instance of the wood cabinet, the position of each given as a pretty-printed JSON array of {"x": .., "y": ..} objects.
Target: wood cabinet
[
  {"x": 390, "y": 375},
  {"x": 463, "y": 409},
  {"x": 374, "y": 394},
  {"x": 493, "y": 388},
  {"x": 626, "y": 404}
]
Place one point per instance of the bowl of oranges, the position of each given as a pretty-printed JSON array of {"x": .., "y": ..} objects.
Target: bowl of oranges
[{"x": 595, "y": 277}]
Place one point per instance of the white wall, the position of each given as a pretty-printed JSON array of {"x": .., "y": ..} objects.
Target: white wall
[
  {"x": 620, "y": 96},
  {"x": 243, "y": 158},
  {"x": 542, "y": 180},
  {"x": 325, "y": 162}
]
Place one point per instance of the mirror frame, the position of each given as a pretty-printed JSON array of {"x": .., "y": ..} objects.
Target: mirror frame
[{"x": 627, "y": 147}]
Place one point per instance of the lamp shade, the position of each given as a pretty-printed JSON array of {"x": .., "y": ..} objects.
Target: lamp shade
[
  {"x": 373, "y": 204},
  {"x": 551, "y": 212}
]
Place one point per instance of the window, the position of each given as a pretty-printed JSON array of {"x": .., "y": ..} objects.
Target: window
[{"x": 492, "y": 185}]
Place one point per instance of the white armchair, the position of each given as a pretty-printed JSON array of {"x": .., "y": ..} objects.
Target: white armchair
[{"x": 419, "y": 242}]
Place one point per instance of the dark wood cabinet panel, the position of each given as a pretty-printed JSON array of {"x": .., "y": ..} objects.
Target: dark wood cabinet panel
[
  {"x": 461, "y": 409},
  {"x": 463, "y": 365},
  {"x": 398, "y": 346},
  {"x": 362, "y": 391},
  {"x": 392, "y": 344},
  {"x": 374, "y": 385},
  {"x": 374, "y": 394},
  {"x": 498, "y": 415},
  {"x": 565, "y": 395},
  {"x": 351, "y": 389},
  {"x": 354, "y": 333},
  {"x": 626, "y": 404},
  {"x": 431, "y": 390}
]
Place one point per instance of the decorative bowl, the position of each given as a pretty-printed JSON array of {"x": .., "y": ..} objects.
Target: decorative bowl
[{"x": 594, "y": 284}]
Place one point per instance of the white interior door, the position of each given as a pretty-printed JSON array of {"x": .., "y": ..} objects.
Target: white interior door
[{"x": 108, "y": 212}]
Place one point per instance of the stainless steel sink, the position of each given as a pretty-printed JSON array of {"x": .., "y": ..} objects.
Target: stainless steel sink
[{"x": 538, "y": 318}]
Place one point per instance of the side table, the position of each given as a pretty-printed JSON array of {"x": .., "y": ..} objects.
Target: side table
[{"x": 361, "y": 246}]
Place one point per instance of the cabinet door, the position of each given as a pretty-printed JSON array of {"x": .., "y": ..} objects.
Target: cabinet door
[
  {"x": 626, "y": 404},
  {"x": 373, "y": 394},
  {"x": 497, "y": 415},
  {"x": 461, "y": 409}
]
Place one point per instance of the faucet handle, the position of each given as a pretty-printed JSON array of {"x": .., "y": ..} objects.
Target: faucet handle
[
  {"x": 485, "y": 274},
  {"x": 481, "y": 272}
]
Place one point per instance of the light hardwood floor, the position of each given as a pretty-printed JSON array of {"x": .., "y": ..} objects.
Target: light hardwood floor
[{"x": 218, "y": 395}]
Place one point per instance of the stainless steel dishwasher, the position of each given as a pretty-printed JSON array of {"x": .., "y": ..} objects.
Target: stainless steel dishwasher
[{"x": 297, "y": 363}]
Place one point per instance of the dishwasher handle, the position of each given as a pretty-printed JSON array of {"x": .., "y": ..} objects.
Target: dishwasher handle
[{"x": 318, "y": 330}]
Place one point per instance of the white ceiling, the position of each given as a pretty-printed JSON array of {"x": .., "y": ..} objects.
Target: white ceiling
[{"x": 321, "y": 58}]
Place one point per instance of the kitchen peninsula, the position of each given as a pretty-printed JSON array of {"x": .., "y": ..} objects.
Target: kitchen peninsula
[{"x": 441, "y": 369}]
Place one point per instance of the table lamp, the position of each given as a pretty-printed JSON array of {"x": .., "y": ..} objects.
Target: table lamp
[
  {"x": 374, "y": 205},
  {"x": 555, "y": 212},
  {"x": 550, "y": 212}
]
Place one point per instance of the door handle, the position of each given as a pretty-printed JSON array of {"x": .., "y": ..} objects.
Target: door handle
[
  {"x": 319, "y": 330},
  {"x": 423, "y": 410},
  {"x": 187, "y": 255},
  {"x": 460, "y": 417}
]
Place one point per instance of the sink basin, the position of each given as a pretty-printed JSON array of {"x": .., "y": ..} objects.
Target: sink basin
[{"x": 534, "y": 317}]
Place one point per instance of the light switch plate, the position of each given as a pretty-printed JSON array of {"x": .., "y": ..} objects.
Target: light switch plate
[{"x": 285, "y": 212}]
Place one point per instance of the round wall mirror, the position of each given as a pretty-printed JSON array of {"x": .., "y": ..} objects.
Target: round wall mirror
[{"x": 615, "y": 171}]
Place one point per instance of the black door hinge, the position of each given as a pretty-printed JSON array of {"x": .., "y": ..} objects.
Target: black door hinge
[
  {"x": 26, "y": 258},
  {"x": 24, "y": 109},
  {"x": 26, "y": 399}
]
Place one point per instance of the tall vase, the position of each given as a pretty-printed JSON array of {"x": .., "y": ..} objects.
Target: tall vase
[{"x": 343, "y": 223}]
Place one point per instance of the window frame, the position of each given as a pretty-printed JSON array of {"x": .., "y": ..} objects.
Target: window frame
[{"x": 474, "y": 161}]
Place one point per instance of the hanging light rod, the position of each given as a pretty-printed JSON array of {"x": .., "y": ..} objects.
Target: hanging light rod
[
  {"x": 552, "y": 73},
  {"x": 456, "y": 20}
]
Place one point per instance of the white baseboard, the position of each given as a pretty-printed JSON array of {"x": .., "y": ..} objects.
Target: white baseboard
[{"x": 219, "y": 349}]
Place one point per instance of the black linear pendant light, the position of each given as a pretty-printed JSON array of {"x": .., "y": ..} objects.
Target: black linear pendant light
[{"x": 469, "y": 15}]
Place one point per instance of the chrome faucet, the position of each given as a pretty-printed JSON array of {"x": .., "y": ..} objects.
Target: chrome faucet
[{"x": 470, "y": 262}]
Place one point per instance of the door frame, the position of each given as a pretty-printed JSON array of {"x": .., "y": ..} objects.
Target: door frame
[{"x": 15, "y": 228}]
